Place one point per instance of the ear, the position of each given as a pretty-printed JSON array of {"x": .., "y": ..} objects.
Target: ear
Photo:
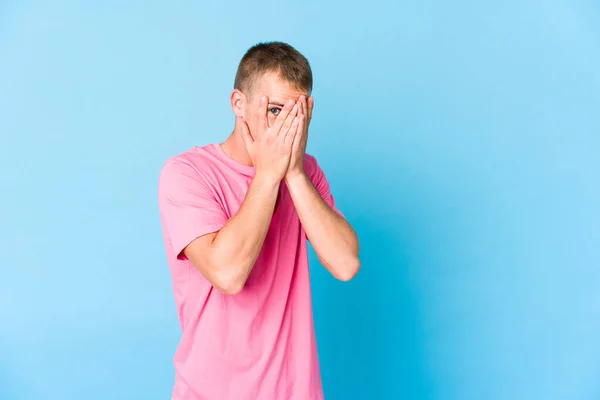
[{"x": 238, "y": 101}]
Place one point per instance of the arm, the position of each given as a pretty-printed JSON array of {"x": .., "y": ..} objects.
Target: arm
[
  {"x": 332, "y": 237},
  {"x": 226, "y": 257},
  {"x": 225, "y": 251}
]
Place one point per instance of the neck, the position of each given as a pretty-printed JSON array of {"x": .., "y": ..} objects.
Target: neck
[{"x": 234, "y": 145}]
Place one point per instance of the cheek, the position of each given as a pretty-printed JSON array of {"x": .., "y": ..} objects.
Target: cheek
[{"x": 271, "y": 119}]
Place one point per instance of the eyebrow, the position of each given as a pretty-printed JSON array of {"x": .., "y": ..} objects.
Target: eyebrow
[{"x": 276, "y": 104}]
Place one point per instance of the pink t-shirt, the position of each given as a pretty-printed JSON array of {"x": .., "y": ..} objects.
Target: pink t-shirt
[{"x": 259, "y": 344}]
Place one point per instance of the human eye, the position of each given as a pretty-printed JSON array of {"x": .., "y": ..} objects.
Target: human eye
[{"x": 275, "y": 110}]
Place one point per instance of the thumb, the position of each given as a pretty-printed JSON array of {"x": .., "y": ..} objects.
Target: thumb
[{"x": 246, "y": 133}]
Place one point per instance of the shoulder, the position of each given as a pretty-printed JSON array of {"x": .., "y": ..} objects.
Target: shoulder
[
  {"x": 188, "y": 172},
  {"x": 314, "y": 172},
  {"x": 311, "y": 166},
  {"x": 196, "y": 161}
]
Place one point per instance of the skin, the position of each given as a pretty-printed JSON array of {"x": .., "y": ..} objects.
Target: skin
[{"x": 270, "y": 133}]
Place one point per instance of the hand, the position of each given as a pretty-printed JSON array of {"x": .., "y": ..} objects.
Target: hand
[
  {"x": 296, "y": 166},
  {"x": 271, "y": 148}
]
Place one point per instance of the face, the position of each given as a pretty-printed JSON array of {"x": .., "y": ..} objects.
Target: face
[{"x": 276, "y": 89}]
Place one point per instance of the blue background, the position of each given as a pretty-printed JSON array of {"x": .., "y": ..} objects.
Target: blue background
[{"x": 462, "y": 140}]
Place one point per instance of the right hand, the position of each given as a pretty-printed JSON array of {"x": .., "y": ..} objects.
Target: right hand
[{"x": 271, "y": 148}]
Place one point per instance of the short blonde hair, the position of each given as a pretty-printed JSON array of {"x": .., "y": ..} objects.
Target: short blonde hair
[{"x": 277, "y": 57}]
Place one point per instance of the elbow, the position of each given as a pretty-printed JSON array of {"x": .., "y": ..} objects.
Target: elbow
[
  {"x": 229, "y": 288},
  {"x": 224, "y": 274},
  {"x": 347, "y": 270},
  {"x": 228, "y": 282},
  {"x": 227, "y": 275}
]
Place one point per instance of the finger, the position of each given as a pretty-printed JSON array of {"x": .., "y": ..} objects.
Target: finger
[
  {"x": 304, "y": 106},
  {"x": 261, "y": 112},
  {"x": 311, "y": 104},
  {"x": 290, "y": 137},
  {"x": 246, "y": 133},
  {"x": 298, "y": 137},
  {"x": 305, "y": 123},
  {"x": 306, "y": 120},
  {"x": 282, "y": 117},
  {"x": 288, "y": 121}
]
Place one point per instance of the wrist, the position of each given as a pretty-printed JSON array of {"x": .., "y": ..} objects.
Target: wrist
[
  {"x": 266, "y": 180},
  {"x": 293, "y": 176}
]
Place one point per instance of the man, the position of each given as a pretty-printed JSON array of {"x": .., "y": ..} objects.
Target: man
[{"x": 236, "y": 217}]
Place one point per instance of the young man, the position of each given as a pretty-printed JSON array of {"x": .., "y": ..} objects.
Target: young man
[{"x": 236, "y": 217}]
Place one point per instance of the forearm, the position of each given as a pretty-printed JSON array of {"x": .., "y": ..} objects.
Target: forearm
[
  {"x": 332, "y": 237},
  {"x": 238, "y": 243}
]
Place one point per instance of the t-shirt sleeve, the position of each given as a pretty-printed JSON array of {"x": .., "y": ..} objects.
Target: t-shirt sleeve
[
  {"x": 188, "y": 207},
  {"x": 320, "y": 182}
]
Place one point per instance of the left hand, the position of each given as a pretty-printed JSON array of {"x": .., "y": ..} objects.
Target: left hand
[{"x": 305, "y": 108}]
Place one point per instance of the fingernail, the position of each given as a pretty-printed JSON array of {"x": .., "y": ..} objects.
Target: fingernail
[{"x": 263, "y": 99}]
